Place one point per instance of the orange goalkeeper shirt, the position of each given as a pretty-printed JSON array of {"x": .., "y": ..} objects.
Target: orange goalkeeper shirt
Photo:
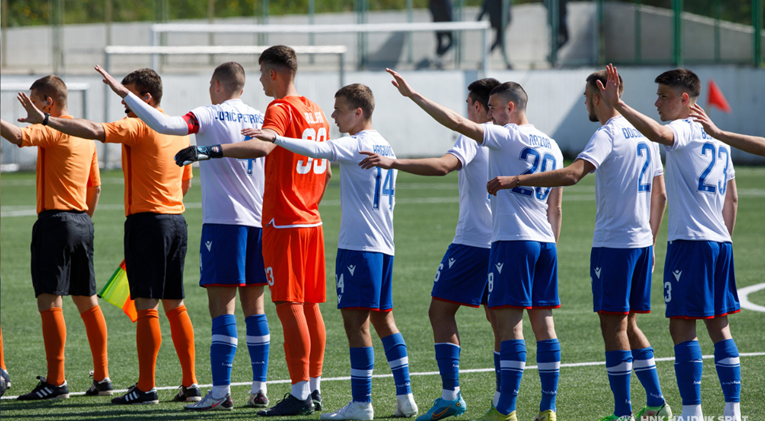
[
  {"x": 153, "y": 182},
  {"x": 294, "y": 183},
  {"x": 66, "y": 167}
]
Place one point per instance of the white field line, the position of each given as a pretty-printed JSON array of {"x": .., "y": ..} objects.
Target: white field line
[
  {"x": 743, "y": 297},
  {"x": 425, "y": 373}
]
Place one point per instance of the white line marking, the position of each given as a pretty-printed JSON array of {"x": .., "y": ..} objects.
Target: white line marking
[
  {"x": 743, "y": 297},
  {"x": 425, "y": 373}
]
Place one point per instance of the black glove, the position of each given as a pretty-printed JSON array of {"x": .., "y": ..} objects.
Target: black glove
[{"x": 197, "y": 153}]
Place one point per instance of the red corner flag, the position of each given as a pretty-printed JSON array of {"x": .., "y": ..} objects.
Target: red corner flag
[{"x": 716, "y": 97}]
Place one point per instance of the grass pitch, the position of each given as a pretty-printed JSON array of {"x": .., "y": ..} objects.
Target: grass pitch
[{"x": 425, "y": 219}]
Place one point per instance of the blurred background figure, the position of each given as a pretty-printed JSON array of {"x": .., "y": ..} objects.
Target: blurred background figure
[
  {"x": 499, "y": 16},
  {"x": 562, "y": 19},
  {"x": 442, "y": 12}
]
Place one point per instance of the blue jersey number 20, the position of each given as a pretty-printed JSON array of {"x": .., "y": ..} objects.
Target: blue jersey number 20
[
  {"x": 541, "y": 193},
  {"x": 387, "y": 188}
]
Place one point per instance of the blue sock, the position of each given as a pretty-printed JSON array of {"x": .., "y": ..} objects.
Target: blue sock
[
  {"x": 645, "y": 369},
  {"x": 688, "y": 369},
  {"x": 548, "y": 361},
  {"x": 619, "y": 366},
  {"x": 728, "y": 369},
  {"x": 223, "y": 349},
  {"x": 258, "y": 343},
  {"x": 395, "y": 352},
  {"x": 512, "y": 362},
  {"x": 497, "y": 370},
  {"x": 448, "y": 359},
  {"x": 362, "y": 364}
]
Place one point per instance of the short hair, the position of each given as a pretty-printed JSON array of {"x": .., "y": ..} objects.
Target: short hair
[
  {"x": 358, "y": 96},
  {"x": 602, "y": 76},
  {"x": 146, "y": 81},
  {"x": 480, "y": 90},
  {"x": 230, "y": 75},
  {"x": 280, "y": 56},
  {"x": 51, "y": 86},
  {"x": 514, "y": 92},
  {"x": 682, "y": 79}
]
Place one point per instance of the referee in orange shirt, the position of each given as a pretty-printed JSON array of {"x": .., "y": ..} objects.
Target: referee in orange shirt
[
  {"x": 155, "y": 230},
  {"x": 68, "y": 186}
]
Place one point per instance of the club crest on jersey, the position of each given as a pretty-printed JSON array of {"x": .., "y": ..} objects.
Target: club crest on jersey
[
  {"x": 677, "y": 274},
  {"x": 499, "y": 267},
  {"x": 208, "y": 244},
  {"x": 351, "y": 269},
  {"x": 597, "y": 272},
  {"x": 452, "y": 260}
]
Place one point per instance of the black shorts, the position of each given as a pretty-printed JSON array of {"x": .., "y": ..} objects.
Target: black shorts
[
  {"x": 155, "y": 252},
  {"x": 62, "y": 254}
]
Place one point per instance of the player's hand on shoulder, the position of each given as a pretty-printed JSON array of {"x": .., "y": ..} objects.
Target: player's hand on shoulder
[
  {"x": 267, "y": 136},
  {"x": 375, "y": 160},
  {"x": 117, "y": 87},
  {"x": 34, "y": 115},
  {"x": 698, "y": 114},
  {"x": 500, "y": 183},
  {"x": 197, "y": 153},
  {"x": 400, "y": 83}
]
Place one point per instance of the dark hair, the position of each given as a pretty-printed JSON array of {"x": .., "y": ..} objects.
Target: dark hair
[
  {"x": 358, "y": 96},
  {"x": 280, "y": 56},
  {"x": 146, "y": 81},
  {"x": 682, "y": 79},
  {"x": 51, "y": 87},
  {"x": 480, "y": 90},
  {"x": 513, "y": 92},
  {"x": 230, "y": 75},
  {"x": 602, "y": 76}
]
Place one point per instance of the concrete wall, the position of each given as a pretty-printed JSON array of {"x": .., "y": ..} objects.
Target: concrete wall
[{"x": 556, "y": 104}]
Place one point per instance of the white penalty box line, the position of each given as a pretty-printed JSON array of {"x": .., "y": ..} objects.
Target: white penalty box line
[{"x": 424, "y": 373}]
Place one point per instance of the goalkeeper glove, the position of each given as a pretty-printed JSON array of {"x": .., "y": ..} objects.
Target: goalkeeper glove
[{"x": 197, "y": 153}]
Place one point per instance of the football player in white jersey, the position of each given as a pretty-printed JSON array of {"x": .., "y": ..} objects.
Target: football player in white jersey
[
  {"x": 631, "y": 198},
  {"x": 752, "y": 144},
  {"x": 364, "y": 265},
  {"x": 525, "y": 227},
  {"x": 699, "y": 279},
  {"x": 461, "y": 277},
  {"x": 230, "y": 253}
]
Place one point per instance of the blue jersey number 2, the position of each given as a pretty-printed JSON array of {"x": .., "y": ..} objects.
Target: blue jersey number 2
[
  {"x": 642, "y": 149},
  {"x": 387, "y": 188}
]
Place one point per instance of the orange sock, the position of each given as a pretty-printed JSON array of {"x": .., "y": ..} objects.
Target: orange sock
[
  {"x": 183, "y": 339},
  {"x": 54, "y": 336},
  {"x": 148, "y": 339},
  {"x": 297, "y": 341},
  {"x": 318, "y": 338},
  {"x": 2, "y": 355},
  {"x": 95, "y": 326}
]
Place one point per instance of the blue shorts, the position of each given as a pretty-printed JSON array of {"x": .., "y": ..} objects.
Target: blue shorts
[
  {"x": 364, "y": 280},
  {"x": 699, "y": 280},
  {"x": 523, "y": 274},
  {"x": 621, "y": 280},
  {"x": 461, "y": 276},
  {"x": 231, "y": 256}
]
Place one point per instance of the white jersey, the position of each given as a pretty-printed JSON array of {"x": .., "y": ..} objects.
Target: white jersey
[
  {"x": 520, "y": 214},
  {"x": 474, "y": 225},
  {"x": 366, "y": 196},
  {"x": 232, "y": 189},
  {"x": 625, "y": 165},
  {"x": 698, "y": 170}
]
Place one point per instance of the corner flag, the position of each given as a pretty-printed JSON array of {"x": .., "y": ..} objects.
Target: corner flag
[
  {"x": 716, "y": 97},
  {"x": 117, "y": 292}
]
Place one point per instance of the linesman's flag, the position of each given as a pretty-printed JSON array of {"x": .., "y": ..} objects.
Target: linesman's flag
[
  {"x": 716, "y": 98},
  {"x": 117, "y": 292}
]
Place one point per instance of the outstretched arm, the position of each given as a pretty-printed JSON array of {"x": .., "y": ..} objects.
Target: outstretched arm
[
  {"x": 751, "y": 144},
  {"x": 563, "y": 177},
  {"x": 650, "y": 128},
  {"x": 426, "y": 166},
  {"x": 10, "y": 132},
  {"x": 446, "y": 117},
  {"x": 305, "y": 147},
  {"x": 84, "y": 129}
]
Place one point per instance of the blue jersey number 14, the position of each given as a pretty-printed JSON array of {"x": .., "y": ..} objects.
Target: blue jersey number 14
[{"x": 387, "y": 188}]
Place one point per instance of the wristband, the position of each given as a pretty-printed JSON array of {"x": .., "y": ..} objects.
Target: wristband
[
  {"x": 45, "y": 120},
  {"x": 215, "y": 151}
]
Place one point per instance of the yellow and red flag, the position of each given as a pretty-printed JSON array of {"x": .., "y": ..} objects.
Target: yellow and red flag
[{"x": 117, "y": 292}]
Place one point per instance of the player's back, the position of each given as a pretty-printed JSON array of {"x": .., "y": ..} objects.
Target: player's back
[
  {"x": 698, "y": 170},
  {"x": 294, "y": 183},
  {"x": 520, "y": 214},
  {"x": 626, "y": 163},
  {"x": 367, "y": 197},
  {"x": 232, "y": 189}
]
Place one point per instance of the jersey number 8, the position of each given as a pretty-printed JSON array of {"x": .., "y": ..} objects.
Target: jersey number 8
[{"x": 319, "y": 165}]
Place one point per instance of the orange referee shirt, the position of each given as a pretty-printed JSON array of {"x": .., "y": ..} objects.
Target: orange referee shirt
[
  {"x": 152, "y": 180},
  {"x": 66, "y": 167},
  {"x": 294, "y": 183}
]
